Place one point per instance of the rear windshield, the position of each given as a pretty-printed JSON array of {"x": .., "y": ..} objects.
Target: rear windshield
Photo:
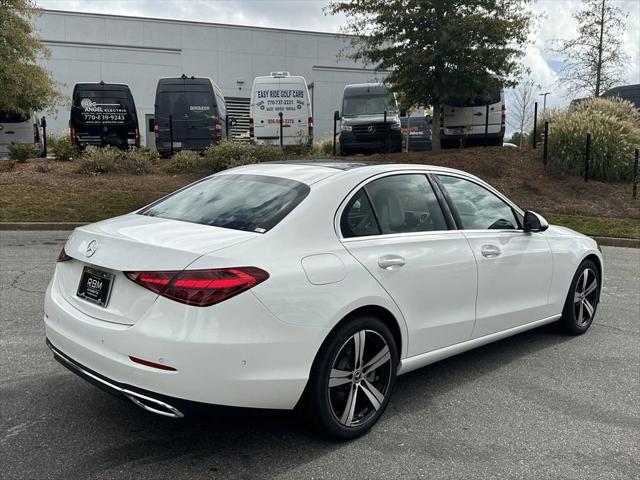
[
  {"x": 195, "y": 104},
  {"x": 103, "y": 107},
  {"x": 253, "y": 203},
  {"x": 13, "y": 117},
  {"x": 368, "y": 104},
  {"x": 489, "y": 99}
]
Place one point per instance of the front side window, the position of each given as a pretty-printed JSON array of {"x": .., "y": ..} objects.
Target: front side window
[
  {"x": 254, "y": 203},
  {"x": 477, "y": 207}
]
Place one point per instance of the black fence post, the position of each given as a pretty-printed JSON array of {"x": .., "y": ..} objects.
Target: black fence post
[
  {"x": 635, "y": 175},
  {"x": 545, "y": 150},
  {"x": 171, "y": 132},
  {"x": 386, "y": 143},
  {"x": 535, "y": 123},
  {"x": 280, "y": 115},
  {"x": 226, "y": 125},
  {"x": 486, "y": 126},
  {"x": 336, "y": 117},
  {"x": 43, "y": 122},
  {"x": 587, "y": 152}
]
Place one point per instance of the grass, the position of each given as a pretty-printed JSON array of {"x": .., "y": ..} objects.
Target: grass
[{"x": 63, "y": 195}]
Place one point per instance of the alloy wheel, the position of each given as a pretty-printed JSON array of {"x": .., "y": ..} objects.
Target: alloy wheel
[
  {"x": 360, "y": 377},
  {"x": 585, "y": 297}
]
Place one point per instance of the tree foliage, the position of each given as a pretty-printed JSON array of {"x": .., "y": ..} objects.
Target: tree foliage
[
  {"x": 593, "y": 61},
  {"x": 24, "y": 84},
  {"x": 439, "y": 50}
]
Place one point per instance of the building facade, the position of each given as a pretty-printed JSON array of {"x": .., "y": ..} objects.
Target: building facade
[{"x": 138, "y": 51}]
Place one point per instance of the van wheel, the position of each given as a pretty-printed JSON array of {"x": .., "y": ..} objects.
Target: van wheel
[
  {"x": 582, "y": 300},
  {"x": 352, "y": 378}
]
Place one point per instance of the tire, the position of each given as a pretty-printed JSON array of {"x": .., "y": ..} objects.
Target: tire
[
  {"x": 580, "y": 308},
  {"x": 368, "y": 394}
]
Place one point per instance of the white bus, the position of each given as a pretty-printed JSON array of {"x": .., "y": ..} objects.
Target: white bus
[
  {"x": 280, "y": 93},
  {"x": 481, "y": 122}
]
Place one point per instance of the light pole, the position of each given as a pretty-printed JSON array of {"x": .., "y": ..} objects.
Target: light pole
[{"x": 544, "y": 101}]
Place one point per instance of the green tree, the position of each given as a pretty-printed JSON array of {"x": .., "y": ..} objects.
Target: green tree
[
  {"x": 439, "y": 50},
  {"x": 593, "y": 61},
  {"x": 24, "y": 84}
]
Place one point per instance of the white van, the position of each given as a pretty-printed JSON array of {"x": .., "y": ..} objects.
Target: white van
[
  {"x": 275, "y": 94},
  {"x": 18, "y": 128},
  {"x": 481, "y": 122}
]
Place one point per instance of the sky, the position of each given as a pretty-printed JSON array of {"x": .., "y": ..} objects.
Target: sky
[{"x": 555, "y": 23}]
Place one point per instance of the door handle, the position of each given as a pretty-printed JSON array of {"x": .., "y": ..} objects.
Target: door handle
[
  {"x": 490, "y": 251},
  {"x": 391, "y": 262}
]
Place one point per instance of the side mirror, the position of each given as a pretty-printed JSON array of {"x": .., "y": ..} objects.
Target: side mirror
[
  {"x": 336, "y": 115},
  {"x": 534, "y": 222}
]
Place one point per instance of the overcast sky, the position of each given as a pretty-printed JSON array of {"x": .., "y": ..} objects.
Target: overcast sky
[{"x": 309, "y": 15}]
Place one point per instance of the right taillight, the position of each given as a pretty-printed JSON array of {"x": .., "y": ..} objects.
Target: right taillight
[
  {"x": 251, "y": 127},
  {"x": 200, "y": 288}
]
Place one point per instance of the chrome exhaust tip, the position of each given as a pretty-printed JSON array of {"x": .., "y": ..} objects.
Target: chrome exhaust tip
[{"x": 153, "y": 405}]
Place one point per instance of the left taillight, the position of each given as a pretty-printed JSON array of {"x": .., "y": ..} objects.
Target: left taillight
[
  {"x": 200, "y": 288},
  {"x": 62, "y": 256}
]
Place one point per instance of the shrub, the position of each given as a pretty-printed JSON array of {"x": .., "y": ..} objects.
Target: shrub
[
  {"x": 7, "y": 165},
  {"x": 137, "y": 161},
  {"x": 95, "y": 160},
  {"x": 60, "y": 146},
  {"x": 615, "y": 133},
  {"x": 21, "y": 152},
  {"x": 323, "y": 148},
  {"x": 229, "y": 154},
  {"x": 43, "y": 167},
  {"x": 185, "y": 161}
]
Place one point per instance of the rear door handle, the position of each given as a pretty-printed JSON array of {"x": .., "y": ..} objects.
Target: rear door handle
[
  {"x": 490, "y": 251},
  {"x": 391, "y": 262}
]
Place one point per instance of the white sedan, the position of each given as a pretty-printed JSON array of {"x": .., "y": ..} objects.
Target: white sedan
[{"x": 309, "y": 285}]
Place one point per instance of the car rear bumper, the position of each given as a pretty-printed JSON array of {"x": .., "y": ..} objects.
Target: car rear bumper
[{"x": 235, "y": 353}]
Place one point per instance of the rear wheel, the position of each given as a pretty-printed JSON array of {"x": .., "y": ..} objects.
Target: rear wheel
[
  {"x": 582, "y": 300},
  {"x": 352, "y": 378}
]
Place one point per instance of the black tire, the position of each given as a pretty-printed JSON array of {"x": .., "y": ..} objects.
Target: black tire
[
  {"x": 322, "y": 403},
  {"x": 580, "y": 307}
]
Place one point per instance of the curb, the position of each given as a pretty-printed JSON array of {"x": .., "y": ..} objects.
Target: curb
[
  {"x": 31, "y": 226},
  {"x": 39, "y": 225}
]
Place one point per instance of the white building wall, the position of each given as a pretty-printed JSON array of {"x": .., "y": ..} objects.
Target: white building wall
[{"x": 139, "y": 51}]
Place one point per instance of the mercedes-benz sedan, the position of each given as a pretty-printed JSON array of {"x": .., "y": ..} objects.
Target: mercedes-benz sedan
[{"x": 309, "y": 285}]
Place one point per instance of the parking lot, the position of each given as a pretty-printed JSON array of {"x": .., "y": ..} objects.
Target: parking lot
[{"x": 538, "y": 405}]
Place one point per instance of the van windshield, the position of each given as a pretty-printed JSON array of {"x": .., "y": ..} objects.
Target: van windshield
[
  {"x": 368, "y": 104},
  {"x": 102, "y": 107},
  {"x": 253, "y": 203}
]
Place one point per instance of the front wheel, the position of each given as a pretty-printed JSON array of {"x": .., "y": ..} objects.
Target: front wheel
[
  {"x": 352, "y": 378},
  {"x": 582, "y": 300}
]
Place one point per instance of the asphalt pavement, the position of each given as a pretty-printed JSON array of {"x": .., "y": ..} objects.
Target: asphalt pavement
[{"x": 537, "y": 405}]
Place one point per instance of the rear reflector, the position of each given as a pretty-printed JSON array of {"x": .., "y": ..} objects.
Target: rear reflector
[
  {"x": 147, "y": 363},
  {"x": 200, "y": 288}
]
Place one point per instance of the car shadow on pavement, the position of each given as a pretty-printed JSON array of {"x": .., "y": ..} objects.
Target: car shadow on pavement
[{"x": 95, "y": 435}]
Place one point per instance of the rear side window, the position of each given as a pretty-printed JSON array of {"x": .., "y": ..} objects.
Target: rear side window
[
  {"x": 401, "y": 204},
  {"x": 253, "y": 203}
]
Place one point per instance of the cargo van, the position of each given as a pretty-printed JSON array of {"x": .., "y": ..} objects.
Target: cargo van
[
  {"x": 481, "y": 122},
  {"x": 280, "y": 93},
  {"x": 362, "y": 125},
  {"x": 18, "y": 128},
  {"x": 103, "y": 114},
  {"x": 190, "y": 114}
]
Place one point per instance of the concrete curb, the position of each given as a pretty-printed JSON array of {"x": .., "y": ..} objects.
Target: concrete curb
[{"x": 604, "y": 241}]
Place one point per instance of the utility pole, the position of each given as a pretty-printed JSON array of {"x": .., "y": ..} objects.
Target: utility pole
[{"x": 544, "y": 101}]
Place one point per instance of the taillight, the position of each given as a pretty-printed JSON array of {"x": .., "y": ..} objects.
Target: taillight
[
  {"x": 156, "y": 130},
  {"x": 62, "y": 256},
  {"x": 251, "y": 127},
  {"x": 311, "y": 128},
  {"x": 504, "y": 114},
  {"x": 137, "y": 137},
  {"x": 72, "y": 135},
  {"x": 200, "y": 288},
  {"x": 218, "y": 126}
]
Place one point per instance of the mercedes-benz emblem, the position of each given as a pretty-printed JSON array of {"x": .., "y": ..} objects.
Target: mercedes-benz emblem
[
  {"x": 91, "y": 248},
  {"x": 371, "y": 129}
]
